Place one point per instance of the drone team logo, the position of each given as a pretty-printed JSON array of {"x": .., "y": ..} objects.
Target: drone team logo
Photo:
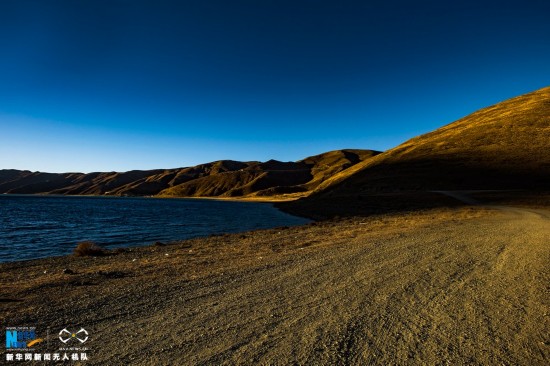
[
  {"x": 20, "y": 343},
  {"x": 65, "y": 335}
]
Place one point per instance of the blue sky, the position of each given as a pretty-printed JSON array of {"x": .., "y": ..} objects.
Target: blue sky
[{"x": 119, "y": 84}]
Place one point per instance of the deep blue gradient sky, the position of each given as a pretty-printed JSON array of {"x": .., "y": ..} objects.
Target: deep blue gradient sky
[{"x": 95, "y": 85}]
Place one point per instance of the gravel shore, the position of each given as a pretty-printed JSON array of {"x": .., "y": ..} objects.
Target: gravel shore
[{"x": 443, "y": 286}]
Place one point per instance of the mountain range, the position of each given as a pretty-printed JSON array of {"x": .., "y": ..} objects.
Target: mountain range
[
  {"x": 502, "y": 147},
  {"x": 224, "y": 178}
]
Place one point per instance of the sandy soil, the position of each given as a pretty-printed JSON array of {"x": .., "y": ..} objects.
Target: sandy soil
[{"x": 462, "y": 286}]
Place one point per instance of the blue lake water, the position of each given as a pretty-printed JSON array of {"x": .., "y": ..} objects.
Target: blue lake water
[{"x": 42, "y": 226}]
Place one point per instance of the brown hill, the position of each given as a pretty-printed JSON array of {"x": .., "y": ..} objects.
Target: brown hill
[
  {"x": 502, "y": 147},
  {"x": 225, "y": 178},
  {"x": 272, "y": 178},
  {"x": 17, "y": 181},
  {"x": 505, "y": 146}
]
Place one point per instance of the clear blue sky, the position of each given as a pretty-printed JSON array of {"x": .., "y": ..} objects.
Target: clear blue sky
[{"x": 93, "y": 85}]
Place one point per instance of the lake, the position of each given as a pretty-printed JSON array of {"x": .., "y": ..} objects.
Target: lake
[{"x": 42, "y": 226}]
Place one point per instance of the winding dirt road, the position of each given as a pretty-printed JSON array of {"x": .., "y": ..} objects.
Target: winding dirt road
[{"x": 423, "y": 290}]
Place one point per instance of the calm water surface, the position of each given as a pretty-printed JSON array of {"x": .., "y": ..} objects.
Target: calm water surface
[{"x": 41, "y": 226}]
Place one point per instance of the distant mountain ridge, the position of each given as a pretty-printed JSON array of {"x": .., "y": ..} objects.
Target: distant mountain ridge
[{"x": 224, "y": 178}]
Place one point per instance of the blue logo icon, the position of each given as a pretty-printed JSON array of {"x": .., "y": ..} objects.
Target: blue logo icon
[{"x": 21, "y": 337}]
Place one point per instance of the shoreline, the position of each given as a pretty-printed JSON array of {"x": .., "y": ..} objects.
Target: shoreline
[
  {"x": 236, "y": 199},
  {"x": 331, "y": 210},
  {"x": 314, "y": 221},
  {"x": 170, "y": 240}
]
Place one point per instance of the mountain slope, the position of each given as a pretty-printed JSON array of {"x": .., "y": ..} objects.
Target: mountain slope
[
  {"x": 505, "y": 146},
  {"x": 224, "y": 178}
]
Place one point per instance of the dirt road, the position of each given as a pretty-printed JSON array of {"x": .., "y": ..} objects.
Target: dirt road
[{"x": 430, "y": 289}]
